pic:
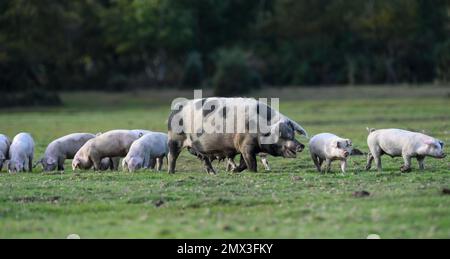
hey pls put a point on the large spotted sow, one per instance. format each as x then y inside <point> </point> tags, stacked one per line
<point>221,128</point>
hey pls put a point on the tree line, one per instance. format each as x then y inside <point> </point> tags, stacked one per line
<point>232,45</point>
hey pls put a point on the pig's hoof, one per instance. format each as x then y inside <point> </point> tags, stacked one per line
<point>405,169</point>
<point>211,172</point>
<point>368,168</point>
<point>236,170</point>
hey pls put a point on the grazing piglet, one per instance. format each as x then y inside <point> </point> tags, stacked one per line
<point>61,149</point>
<point>4,149</point>
<point>21,153</point>
<point>329,147</point>
<point>115,143</point>
<point>146,152</point>
<point>407,144</point>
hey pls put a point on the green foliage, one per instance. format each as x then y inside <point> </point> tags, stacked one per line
<point>443,61</point>
<point>234,75</point>
<point>84,44</point>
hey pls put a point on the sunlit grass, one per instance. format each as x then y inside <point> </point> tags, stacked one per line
<point>291,201</point>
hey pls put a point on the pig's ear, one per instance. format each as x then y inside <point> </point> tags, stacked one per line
<point>429,141</point>
<point>51,161</point>
<point>275,130</point>
<point>441,143</point>
<point>298,128</point>
<point>370,130</point>
<point>337,144</point>
<point>98,134</point>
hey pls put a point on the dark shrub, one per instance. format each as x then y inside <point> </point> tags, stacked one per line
<point>443,61</point>
<point>234,76</point>
<point>193,70</point>
<point>31,98</point>
<point>117,82</point>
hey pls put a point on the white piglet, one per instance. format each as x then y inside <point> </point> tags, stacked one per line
<point>4,149</point>
<point>21,153</point>
<point>329,147</point>
<point>111,144</point>
<point>61,149</point>
<point>147,152</point>
<point>402,143</point>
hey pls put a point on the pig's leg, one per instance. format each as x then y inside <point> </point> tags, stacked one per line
<point>250,160</point>
<point>96,162</point>
<point>369,161</point>
<point>328,165</point>
<point>320,162</point>
<point>376,153</point>
<point>421,160</point>
<point>265,162</point>
<point>115,161</point>
<point>343,165</point>
<point>231,165</point>
<point>208,166</point>
<point>30,164</point>
<point>406,168</point>
<point>159,163</point>
<point>1,166</point>
<point>25,165</point>
<point>174,152</point>
<point>242,166</point>
<point>378,163</point>
<point>125,165</point>
<point>152,163</point>
<point>61,164</point>
<point>146,162</point>
<point>315,159</point>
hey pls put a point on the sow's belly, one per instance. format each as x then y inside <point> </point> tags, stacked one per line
<point>392,151</point>
<point>219,145</point>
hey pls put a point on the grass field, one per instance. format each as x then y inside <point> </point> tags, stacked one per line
<point>291,201</point>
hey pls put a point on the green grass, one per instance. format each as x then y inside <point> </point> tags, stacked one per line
<point>291,201</point>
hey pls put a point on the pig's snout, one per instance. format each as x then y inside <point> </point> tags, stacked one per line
<point>300,147</point>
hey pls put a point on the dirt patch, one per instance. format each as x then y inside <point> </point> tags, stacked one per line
<point>361,194</point>
<point>158,203</point>
<point>296,178</point>
<point>52,199</point>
